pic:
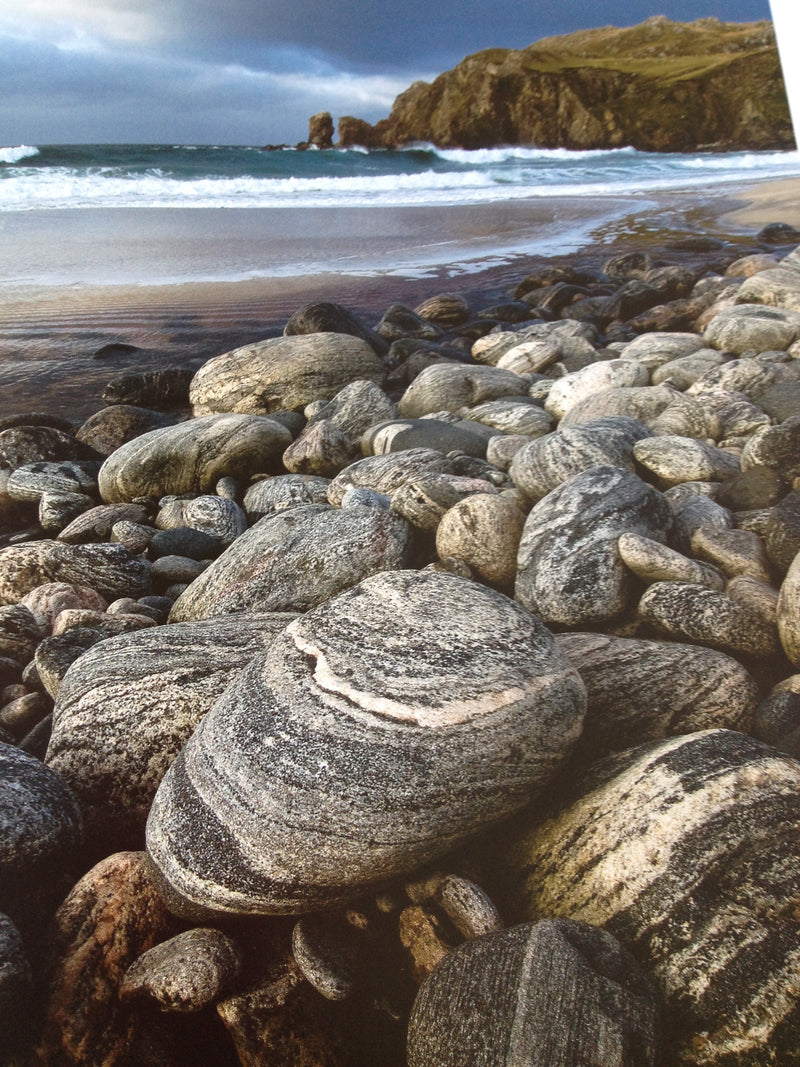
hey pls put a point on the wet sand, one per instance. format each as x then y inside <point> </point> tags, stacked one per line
<point>187,285</point>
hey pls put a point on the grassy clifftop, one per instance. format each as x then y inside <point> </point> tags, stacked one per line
<point>660,86</point>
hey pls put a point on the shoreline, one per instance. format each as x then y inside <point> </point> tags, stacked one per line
<point>50,335</point>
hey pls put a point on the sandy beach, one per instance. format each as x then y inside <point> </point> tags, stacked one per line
<point>183,286</point>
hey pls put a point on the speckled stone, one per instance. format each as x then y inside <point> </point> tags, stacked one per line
<point>283,373</point>
<point>357,407</point>
<point>683,459</point>
<point>775,447</point>
<point>111,427</point>
<point>654,349</point>
<point>192,456</point>
<point>55,655</point>
<point>183,541</point>
<point>186,973</point>
<point>685,370</point>
<point>283,492</point>
<point>217,516</point>
<point>512,417</point>
<point>445,309</point>
<point>40,831</point>
<point>654,562</point>
<point>501,450</point>
<point>789,613</point>
<point>109,569</point>
<point>326,317</point>
<point>30,483</point>
<point>19,633</point>
<point>686,417</point>
<point>752,326</point>
<point>744,375</point>
<point>734,551</point>
<point>412,710</point>
<point>321,449</point>
<point>96,523</point>
<point>644,402</point>
<point>296,559</point>
<point>569,572</point>
<point>696,512</point>
<point>554,992</point>
<point>484,532</point>
<point>608,374</point>
<point>684,850</point>
<point>450,387</point>
<point>47,601</point>
<point>547,462</point>
<point>21,445</point>
<point>124,711</point>
<point>423,502</point>
<point>57,510</point>
<point>119,622</point>
<point>777,717</point>
<point>640,690</point>
<point>692,612</point>
<point>386,473</point>
<point>108,920</point>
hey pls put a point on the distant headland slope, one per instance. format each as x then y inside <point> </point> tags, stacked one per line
<point>660,86</point>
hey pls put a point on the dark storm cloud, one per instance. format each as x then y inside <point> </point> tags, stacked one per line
<point>251,71</point>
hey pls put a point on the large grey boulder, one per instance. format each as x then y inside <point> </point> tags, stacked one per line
<point>380,730</point>
<point>294,560</point>
<point>685,851</point>
<point>547,993</point>
<point>109,569</point>
<point>125,710</point>
<point>192,456</point>
<point>283,373</point>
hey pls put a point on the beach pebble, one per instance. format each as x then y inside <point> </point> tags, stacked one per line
<point>18,717</point>
<point>47,601</point>
<point>448,387</point>
<point>693,513</point>
<point>400,321</point>
<point>19,633</point>
<point>683,459</point>
<point>385,473</point>
<point>192,456</point>
<point>484,532</point>
<point>512,417</point>
<point>781,531</point>
<point>58,510</point>
<point>643,690</point>
<point>501,450</point>
<point>488,708</point>
<point>109,569</point>
<point>358,406</point>
<point>110,918</point>
<point>325,950</point>
<point>176,570</point>
<point>16,992</point>
<point>550,460</point>
<point>652,350</point>
<point>690,612</point>
<point>777,287</point>
<point>610,374</point>
<point>752,326</point>
<point>186,973</point>
<point>777,717</point>
<point>789,613</point>
<point>679,848</point>
<point>569,572</point>
<point>111,427</point>
<point>183,541</point>
<point>775,447</point>
<point>686,417</point>
<point>402,435</point>
<point>733,551</point>
<point>23,445</point>
<point>125,710</point>
<point>165,389</point>
<point>321,449</point>
<point>283,373</point>
<point>96,523</point>
<point>445,309</point>
<point>326,317</point>
<point>40,832</point>
<point>752,489</point>
<point>653,562</point>
<point>638,402</point>
<point>685,370</point>
<point>284,492</point>
<point>55,655</point>
<point>555,992</point>
<point>295,560</point>
<point>424,501</point>
<point>30,483</point>
<point>745,375</point>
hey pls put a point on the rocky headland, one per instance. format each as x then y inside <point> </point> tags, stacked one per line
<point>420,688</point>
<point>660,86</point>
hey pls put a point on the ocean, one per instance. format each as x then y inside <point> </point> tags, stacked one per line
<point>183,251</point>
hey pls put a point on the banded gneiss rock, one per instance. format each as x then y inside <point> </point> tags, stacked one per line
<point>380,730</point>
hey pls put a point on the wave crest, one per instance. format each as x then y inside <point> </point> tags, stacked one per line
<point>15,154</point>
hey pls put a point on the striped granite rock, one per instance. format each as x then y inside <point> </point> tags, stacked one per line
<point>283,492</point>
<point>569,572</point>
<point>653,562</point>
<point>642,690</point>
<point>283,373</point>
<point>607,374</point>
<point>125,710</point>
<point>548,461</point>
<point>380,730</point>
<point>296,559</point>
<point>789,613</point>
<point>449,387</point>
<point>553,992</point>
<point>192,456</point>
<point>385,473</point>
<point>110,570</point>
<point>685,850</point>
<point>683,459</point>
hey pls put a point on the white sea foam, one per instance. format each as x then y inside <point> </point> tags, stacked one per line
<point>15,154</point>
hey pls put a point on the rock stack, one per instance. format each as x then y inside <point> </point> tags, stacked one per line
<point>421,691</point>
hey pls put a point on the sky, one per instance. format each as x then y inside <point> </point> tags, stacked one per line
<point>253,71</point>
